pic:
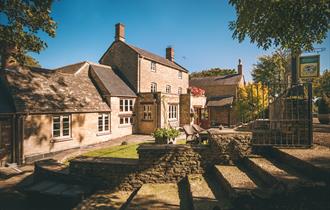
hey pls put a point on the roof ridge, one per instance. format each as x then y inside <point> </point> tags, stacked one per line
<point>98,64</point>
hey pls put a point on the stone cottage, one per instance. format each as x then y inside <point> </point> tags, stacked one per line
<point>45,111</point>
<point>221,93</point>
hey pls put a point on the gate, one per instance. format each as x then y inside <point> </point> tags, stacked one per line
<point>281,115</point>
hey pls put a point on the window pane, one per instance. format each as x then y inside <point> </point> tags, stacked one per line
<point>126,120</point>
<point>121,120</point>
<point>126,105</point>
<point>131,105</point>
<point>106,122</point>
<point>56,126</point>
<point>56,133</point>
<point>121,106</point>
<point>66,132</point>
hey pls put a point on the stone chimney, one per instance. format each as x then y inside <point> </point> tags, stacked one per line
<point>120,32</point>
<point>170,53</point>
<point>240,67</point>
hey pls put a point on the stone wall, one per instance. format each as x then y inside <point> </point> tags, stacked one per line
<point>163,163</point>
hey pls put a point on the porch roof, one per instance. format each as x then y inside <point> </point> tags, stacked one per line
<point>220,101</point>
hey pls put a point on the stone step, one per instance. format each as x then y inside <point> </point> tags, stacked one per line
<point>156,196</point>
<point>271,174</point>
<point>201,194</point>
<point>235,182</point>
<point>312,162</point>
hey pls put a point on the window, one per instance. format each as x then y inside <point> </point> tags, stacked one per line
<point>172,112</point>
<point>61,126</point>
<point>168,88</point>
<point>126,120</point>
<point>103,122</point>
<point>180,74</point>
<point>126,105</point>
<point>153,66</point>
<point>179,90</point>
<point>153,87</point>
<point>147,112</point>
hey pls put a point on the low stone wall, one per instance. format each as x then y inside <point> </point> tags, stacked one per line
<point>162,163</point>
<point>230,146</point>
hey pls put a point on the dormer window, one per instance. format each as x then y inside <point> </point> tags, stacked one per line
<point>168,88</point>
<point>180,74</point>
<point>153,66</point>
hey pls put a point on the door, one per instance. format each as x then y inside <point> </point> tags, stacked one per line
<point>198,115</point>
<point>5,141</point>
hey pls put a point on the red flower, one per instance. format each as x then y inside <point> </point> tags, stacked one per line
<point>195,91</point>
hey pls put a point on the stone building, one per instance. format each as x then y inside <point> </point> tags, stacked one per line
<point>45,111</point>
<point>221,93</point>
<point>157,81</point>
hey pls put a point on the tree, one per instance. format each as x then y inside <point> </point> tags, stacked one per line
<point>252,102</point>
<point>271,68</point>
<point>294,25</point>
<point>212,72</point>
<point>23,19</point>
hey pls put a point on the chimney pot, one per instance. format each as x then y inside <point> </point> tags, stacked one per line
<point>170,53</point>
<point>120,32</point>
<point>240,67</point>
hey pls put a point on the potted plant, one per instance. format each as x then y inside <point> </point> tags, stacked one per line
<point>323,110</point>
<point>165,135</point>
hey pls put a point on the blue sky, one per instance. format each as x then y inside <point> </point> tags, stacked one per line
<point>198,31</point>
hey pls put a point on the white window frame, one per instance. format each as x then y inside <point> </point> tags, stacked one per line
<point>147,113</point>
<point>103,126</point>
<point>127,120</point>
<point>126,105</point>
<point>61,136</point>
<point>180,74</point>
<point>153,66</point>
<point>173,111</point>
<point>180,90</point>
<point>168,89</point>
<point>153,87</point>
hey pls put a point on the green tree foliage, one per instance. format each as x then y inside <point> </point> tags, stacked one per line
<point>322,85</point>
<point>252,101</point>
<point>271,68</point>
<point>21,21</point>
<point>30,61</point>
<point>213,72</point>
<point>294,25</point>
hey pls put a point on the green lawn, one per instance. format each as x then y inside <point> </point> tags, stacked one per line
<point>121,151</point>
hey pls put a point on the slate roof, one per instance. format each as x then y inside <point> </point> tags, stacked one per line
<point>6,103</point>
<point>232,79</point>
<point>114,85</point>
<point>220,101</point>
<point>157,58</point>
<point>67,89</point>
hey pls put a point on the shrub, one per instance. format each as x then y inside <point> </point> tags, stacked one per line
<point>168,133</point>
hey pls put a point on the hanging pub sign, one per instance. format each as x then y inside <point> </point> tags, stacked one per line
<point>309,66</point>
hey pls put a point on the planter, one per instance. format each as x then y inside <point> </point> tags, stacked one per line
<point>165,140</point>
<point>324,118</point>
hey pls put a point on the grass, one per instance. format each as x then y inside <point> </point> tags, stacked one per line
<point>121,151</point>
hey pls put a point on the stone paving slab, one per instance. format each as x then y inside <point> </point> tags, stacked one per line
<point>318,156</point>
<point>105,200</point>
<point>156,196</point>
<point>202,196</point>
<point>236,179</point>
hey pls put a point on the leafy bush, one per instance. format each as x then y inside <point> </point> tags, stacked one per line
<point>168,133</point>
<point>323,106</point>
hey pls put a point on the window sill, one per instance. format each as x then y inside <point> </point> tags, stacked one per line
<point>55,140</point>
<point>125,126</point>
<point>145,120</point>
<point>103,133</point>
<point>173,120</point>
